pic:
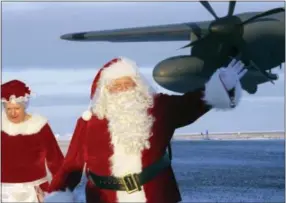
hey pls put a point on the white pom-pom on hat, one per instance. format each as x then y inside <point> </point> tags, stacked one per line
<point>86,115</point>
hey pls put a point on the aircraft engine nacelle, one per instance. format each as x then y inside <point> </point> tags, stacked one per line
<point>180,73</point>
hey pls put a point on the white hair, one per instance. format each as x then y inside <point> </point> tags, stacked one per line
<point>22,100</point>
<point>25,104</point>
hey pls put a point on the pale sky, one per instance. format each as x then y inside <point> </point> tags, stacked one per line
<point>60,72</point>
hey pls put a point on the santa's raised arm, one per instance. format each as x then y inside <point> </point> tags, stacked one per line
<point>123,136</point>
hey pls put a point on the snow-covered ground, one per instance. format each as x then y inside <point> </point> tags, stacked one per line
<point>232,171</point>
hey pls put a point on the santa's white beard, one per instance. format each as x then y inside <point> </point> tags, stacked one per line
<point>129,121</point>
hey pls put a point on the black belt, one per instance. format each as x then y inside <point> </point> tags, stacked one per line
<point>130,182</point>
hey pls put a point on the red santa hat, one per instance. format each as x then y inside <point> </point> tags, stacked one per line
<point>15,91</point>
<point>116,68</point>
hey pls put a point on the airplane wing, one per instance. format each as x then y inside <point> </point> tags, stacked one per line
<point>171,32</point>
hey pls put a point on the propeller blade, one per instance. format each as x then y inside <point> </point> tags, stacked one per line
<point>192,43</point>
<point>209,8</point>
<point>196,30</point>
<point>231,7</point>
<point>266,13</point>
<point>263,72</point>
<point>201,40</point>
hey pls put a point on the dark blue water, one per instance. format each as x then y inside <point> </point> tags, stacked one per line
<point>230,171</point>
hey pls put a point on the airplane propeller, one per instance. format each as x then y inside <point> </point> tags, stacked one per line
<point>229,29</point>
<point>209,8</point>
<point>231,7</point>
<point>266,13</point>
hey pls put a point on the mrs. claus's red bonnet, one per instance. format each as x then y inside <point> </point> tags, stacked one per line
<point>15,91</point>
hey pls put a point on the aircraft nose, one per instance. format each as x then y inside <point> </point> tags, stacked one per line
<point>179,74</point>
<point>163,73</point>
<point>160,72</point>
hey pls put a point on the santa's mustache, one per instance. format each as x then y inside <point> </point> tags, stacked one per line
<point>137,98</point>
<point>128,99</point>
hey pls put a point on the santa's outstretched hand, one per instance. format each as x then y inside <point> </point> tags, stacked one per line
<point>231,74</point>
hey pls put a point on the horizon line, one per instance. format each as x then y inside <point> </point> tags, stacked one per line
<point>198,133</point>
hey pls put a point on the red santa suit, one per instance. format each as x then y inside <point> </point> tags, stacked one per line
<point>25,149</point>
<point>92,143</point>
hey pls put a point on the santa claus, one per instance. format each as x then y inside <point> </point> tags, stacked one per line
<point>27,144</point>
<point>124,136</point>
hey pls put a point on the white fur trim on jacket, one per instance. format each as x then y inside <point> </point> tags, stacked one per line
<point>31,183</point>
<point>216,94</point>
<point>60,196</point>
<point>31,126</point>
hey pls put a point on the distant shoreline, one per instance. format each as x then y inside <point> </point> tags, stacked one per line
<point>64,143</point>
<point>232,136</point>
<point>217,136</point>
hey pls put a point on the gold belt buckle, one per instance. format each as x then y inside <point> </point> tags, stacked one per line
<point>130,183</point>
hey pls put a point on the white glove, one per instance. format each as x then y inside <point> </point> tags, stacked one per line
<point>232,74</point>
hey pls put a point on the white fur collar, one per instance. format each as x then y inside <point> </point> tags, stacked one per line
<point>29,127</point>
